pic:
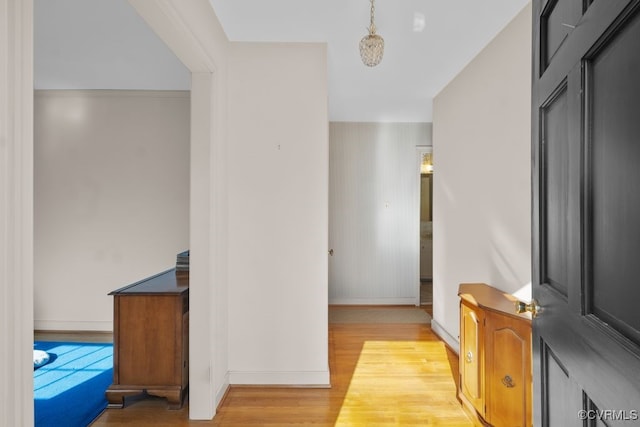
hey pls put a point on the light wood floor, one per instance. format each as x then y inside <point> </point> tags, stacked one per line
<point>381,375</point>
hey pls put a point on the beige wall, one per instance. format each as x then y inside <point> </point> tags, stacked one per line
<point>278,213</point>
<point>482,140</point>
<point>111,198</point>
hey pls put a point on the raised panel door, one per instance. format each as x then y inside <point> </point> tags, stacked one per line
<point>471,357</point>
<point>586,212</point>
<point>508,371</point>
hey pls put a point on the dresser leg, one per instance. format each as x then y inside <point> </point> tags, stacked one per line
<point>174,397</point>
<point>115,397</point>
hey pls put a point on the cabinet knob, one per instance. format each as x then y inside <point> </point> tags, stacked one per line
<point>532,307</point>
<point>469,357</point>
<point>508,381</point>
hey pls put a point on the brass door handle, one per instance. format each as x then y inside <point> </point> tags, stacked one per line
<point>532,307</point>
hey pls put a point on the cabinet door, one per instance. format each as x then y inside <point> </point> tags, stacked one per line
<point>508,371</point>
<point>146,340</point>
<point>471,348</point>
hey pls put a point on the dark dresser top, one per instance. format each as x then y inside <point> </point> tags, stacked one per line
<point>165,283</point>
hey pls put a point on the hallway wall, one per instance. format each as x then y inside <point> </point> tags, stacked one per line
<point>482,190</point>
<point>111,198</point>
<point>374,212</point>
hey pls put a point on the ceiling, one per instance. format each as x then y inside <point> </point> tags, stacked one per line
<point>76,47</point>
<point>100,44</point>
<point>417,63</point>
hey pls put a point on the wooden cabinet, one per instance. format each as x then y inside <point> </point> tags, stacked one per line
<point>495,357</point>
<point>151,339</point>
<point>471,350</point>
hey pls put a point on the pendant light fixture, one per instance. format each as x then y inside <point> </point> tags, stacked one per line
<point>372,45</point>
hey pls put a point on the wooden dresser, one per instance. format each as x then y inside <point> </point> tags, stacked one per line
<point>495,357</point>
<point>151,339</point>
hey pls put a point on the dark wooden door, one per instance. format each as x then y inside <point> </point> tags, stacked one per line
<point>586,212</point>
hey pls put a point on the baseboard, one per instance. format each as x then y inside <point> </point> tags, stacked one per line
<point>57,325</point>
<point>293,379</point>
<point>222,391</point>
<point>445,336</point>
<point>372,301</point>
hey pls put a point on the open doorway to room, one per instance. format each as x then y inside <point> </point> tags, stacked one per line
<point>112,117</point>
<point>426,228</point>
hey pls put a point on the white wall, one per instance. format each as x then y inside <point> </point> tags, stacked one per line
<point>111,198</point>
<point>278,213</point>
<point>482,152</point>
<point>374,212</point>
<point>16,213</point>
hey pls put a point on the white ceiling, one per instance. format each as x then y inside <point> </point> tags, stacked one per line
<point>100,44</point>
<point>416,64</point>
<point>104,44</point>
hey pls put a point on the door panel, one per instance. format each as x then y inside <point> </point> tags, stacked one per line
<point>586,212</point>
<point>555,180</point>
<point>470,356</point>
<point>614,172</point>
<point>508,346</point>
<point>556,26</point>
<point>561,394</point>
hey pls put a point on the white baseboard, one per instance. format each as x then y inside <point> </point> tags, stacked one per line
<point>372,301</point>
<point>222,390</point>
<point>446,336</point>
<point>57,325</point>
<point>297,379</point>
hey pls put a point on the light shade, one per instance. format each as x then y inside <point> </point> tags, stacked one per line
<point>371,49</point>
<point>426,166</point>
<point>372,45</point>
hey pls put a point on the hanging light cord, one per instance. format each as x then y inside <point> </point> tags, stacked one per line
<point>372,27</point>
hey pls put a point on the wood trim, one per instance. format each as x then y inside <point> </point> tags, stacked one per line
<point>375,301</point>
<point>105,326</point>
<point>301,379</point>
<point>16,212</point>
<point>73,335</point>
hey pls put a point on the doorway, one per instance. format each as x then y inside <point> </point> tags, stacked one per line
<point>425,157</point>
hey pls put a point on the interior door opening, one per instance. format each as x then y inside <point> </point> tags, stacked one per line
<point>426,229</point>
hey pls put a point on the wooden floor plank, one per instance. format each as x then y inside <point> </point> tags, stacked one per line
<point>381,375</point>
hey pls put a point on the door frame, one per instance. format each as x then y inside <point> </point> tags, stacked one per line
<point>420,151</point>
<point>192,32</point>
<point>16,212</point>
<point>183,27</point>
